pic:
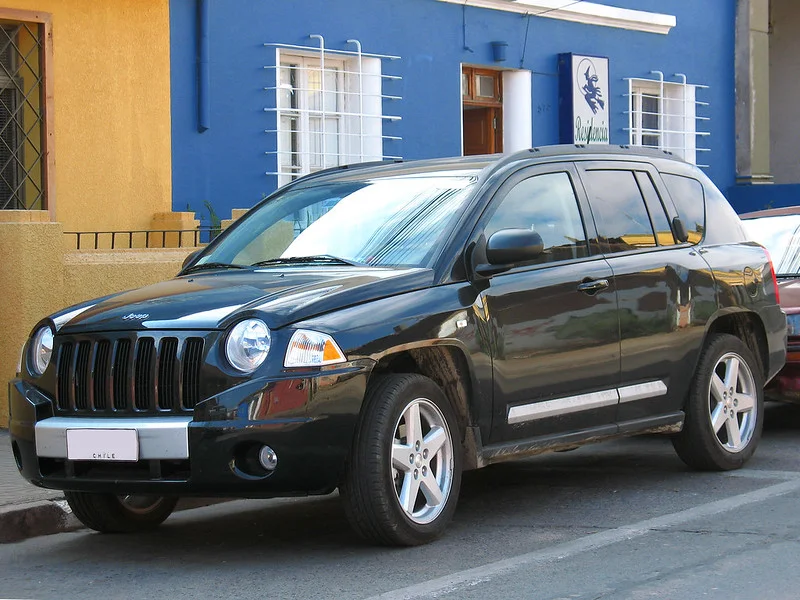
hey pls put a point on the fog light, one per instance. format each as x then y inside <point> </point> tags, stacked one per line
<point>268,458</point>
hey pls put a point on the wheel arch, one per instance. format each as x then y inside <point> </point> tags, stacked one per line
<point>748,327</point>
<point>449,367</point>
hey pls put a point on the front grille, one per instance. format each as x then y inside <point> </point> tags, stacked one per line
<point>128,374</point>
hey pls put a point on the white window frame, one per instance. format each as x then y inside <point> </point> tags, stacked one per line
<point>297,102</point>
<point>676,115</point>
<point>351,109</point>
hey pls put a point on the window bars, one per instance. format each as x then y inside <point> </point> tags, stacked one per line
<point>22,130</point>
<point>663,115</point>
<point>328,107</point>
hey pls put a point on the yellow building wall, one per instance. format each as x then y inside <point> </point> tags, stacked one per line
<point>111,99</point>
<point>96,273</point>
<point>38,277</point>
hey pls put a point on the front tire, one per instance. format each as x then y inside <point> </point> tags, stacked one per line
<point>108,513</point>
<point>725,407</point>
<point>402,481</point>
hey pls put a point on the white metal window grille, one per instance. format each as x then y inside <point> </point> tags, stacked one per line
<point>21,117</point>
<point>664,115</point>
<point>328,108</point>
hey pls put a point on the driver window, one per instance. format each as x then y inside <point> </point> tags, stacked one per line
<point>545,204</point>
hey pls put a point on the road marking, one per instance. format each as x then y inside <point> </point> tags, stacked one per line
<point>477,575</point>
<point>762,474</point>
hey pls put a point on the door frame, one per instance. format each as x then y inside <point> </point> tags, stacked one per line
<point>469,97</point>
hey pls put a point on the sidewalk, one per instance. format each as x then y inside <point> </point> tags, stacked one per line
<point>26,510</point>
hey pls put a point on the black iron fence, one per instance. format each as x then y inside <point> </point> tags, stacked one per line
<point>143,238</point>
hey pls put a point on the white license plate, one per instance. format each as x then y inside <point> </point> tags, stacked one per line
<point>103,444</point>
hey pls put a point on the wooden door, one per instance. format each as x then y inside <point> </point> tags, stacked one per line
<point>479,130</point>
<point>483,111</point>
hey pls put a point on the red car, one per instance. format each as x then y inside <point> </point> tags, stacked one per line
<point>778,230</point>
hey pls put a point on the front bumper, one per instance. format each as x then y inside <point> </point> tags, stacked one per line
<point>307,420</point>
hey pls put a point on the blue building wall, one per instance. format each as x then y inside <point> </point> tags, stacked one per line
<point>226,164</point>
<point>749,198</point>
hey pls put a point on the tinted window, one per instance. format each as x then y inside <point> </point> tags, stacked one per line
<point>727,228</point>
<point>619,210</point>
<point>547,205</point>
<point>658,215</point>
<point>687,195</point>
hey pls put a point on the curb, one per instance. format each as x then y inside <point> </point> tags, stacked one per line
<point>22,521</point>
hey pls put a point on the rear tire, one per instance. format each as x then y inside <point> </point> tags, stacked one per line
<point>725,407</point>
<point>402,481</point>
<point>108,513</point>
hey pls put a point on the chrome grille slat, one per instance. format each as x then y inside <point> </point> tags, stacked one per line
<point>191,363</point>
<point>82,375</point>
<point>124,374</point>
<point>73,370</point>
<point>166,387</point>
<point>102,374</point>
<point>63,375</point>
<point>145,382</point>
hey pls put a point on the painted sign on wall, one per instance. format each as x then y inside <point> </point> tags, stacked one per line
<point>583,99</point>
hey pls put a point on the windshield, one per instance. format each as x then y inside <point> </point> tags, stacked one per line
<point>388,221</point>
<point>781,237</point>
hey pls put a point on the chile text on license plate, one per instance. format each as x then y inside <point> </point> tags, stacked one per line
<point>103,444</point>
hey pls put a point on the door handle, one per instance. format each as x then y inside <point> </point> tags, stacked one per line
<point>592,286</point>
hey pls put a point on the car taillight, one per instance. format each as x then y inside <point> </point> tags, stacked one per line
<point>774,277</point>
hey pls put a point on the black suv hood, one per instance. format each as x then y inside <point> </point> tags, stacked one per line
<point>212,300</point>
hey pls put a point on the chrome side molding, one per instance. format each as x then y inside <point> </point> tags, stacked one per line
<point>581,402</point>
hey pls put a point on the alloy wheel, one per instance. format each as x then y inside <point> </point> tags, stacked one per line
<point>732,403</point>
<point>140,504</point>
<point>422,461</point>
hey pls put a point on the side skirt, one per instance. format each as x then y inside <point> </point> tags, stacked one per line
<point>667,424</point>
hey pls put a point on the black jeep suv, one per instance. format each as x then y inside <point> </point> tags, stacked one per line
<point>382,328</point>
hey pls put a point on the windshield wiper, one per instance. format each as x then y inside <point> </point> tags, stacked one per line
<point>787,275</point>
<point>299,260</point>
<point>212,265</point>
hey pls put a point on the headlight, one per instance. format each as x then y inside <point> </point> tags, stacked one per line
<point>41,350</point>
<point>312,349</point>
<point>248,345</point>
<point>793,324</point>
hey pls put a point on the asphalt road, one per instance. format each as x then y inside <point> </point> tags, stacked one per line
<point>620,520</point>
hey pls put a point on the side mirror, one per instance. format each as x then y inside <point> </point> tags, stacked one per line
<point>189,259</point>
<point>679,229</point>
<point>509,246</point>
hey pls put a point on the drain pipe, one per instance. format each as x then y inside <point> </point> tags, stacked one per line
<point>203,76</point>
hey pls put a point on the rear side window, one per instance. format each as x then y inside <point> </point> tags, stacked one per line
<point>619,210</point>
<point>687,195</point>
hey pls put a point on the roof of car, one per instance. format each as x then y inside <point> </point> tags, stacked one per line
<point>480,162</point>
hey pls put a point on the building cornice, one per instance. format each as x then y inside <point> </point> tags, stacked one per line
<point>589,13</point>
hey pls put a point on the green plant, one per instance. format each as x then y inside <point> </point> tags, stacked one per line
<point>213,218</point>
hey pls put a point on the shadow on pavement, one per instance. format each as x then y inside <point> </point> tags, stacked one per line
<point>545,491</point>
